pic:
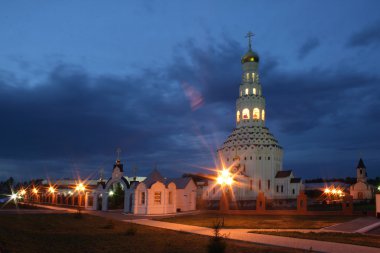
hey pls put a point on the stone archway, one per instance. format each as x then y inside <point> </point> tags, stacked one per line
<point>108,192</point>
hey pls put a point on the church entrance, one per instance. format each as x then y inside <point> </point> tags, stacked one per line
<point>360,195</point>
<point>116,193</point>
<point>99,202</point>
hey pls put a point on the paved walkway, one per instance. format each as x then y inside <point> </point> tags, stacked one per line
<point>359,225</point>
<point>243,235</point>
<point>237,234</point>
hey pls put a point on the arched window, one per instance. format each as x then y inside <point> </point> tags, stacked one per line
<point>256,113</point>
<point>263,114</point>
<point>254,91</point>
<point>253,76</point>
<point>241,93</point>
<point>247,76</point>
<point>238,116</point>
<point>246,91</point>
<point>245,113</point>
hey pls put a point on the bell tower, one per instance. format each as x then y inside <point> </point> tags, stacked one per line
<point>250,106</point>
<point>361,172</point>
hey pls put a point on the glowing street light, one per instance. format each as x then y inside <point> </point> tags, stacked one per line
<point>111,193</point>
<point>35,191</point>
<point>80,187</point>
<point>224,178</point>
<point>22,192</point>
<point>51,189</point>
<point>327,191</point>
<point>13,196</point>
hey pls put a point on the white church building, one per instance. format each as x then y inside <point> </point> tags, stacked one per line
<point>147,195</point>
<point>251,152</point>
<point>361,190</point>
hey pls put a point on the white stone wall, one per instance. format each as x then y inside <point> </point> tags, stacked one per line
<point>186,198</point>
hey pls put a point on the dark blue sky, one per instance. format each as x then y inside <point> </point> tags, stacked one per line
<point>80,78</point>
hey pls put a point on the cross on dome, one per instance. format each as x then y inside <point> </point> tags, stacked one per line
<point>249,36</point>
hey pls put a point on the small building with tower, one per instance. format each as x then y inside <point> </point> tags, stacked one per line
<point>361,190</point>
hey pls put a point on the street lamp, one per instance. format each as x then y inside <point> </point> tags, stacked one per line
<point>51,189</point>
<point>224,179</point>
<point>80,188</point>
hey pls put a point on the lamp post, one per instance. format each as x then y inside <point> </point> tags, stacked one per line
<point>52,191</point>
<point>80,188</point>
<point>224,179</point>
<point>35,193</point>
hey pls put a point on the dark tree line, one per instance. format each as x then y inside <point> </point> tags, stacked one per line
<point>9,184</point>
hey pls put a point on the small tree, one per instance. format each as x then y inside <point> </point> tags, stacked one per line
<point>217,242</point>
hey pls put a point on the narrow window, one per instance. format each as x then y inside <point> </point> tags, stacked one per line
<point>246,113</point>
<point>282,188</point>
<point>247,76</point>
<point>277,188</point>
<point>268,157</point>
<point>228,159</point>
<point>250,184</point>
<point>246,91</point>
<point>260,184</point>
<point>170,198</point>
<point>245,158</point>
<point>259,157</point>
<point>256,113</point>
<point>294,191</point>
<point>268,184</point>
<point>254,91</point>
<point>157,198</point>
<point>361,172</point>
<point>251,157</point>
<point>238,116</point>
<point>142,198</point>
<point>263,115</point>
<point>253,76</point>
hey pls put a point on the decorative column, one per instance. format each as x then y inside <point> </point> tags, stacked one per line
<point>126,201</point>
<point>105,201</point>
<point>302,203</point>
<point>260,202</point>
<point>94,201</point>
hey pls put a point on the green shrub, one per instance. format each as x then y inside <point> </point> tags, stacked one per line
<point>217,243</point>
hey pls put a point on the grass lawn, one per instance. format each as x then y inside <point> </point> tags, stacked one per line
<point>12,205</point>
<point>68,233</point>
<point>359,239</point>
<point>260,221</point>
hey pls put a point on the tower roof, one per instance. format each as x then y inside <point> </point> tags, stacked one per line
<point>153,177</point>
<point>361,164</point>
<point>250,56</point>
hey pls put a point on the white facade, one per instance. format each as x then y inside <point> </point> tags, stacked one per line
<point>251,152</point>
<point>153,195</point>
